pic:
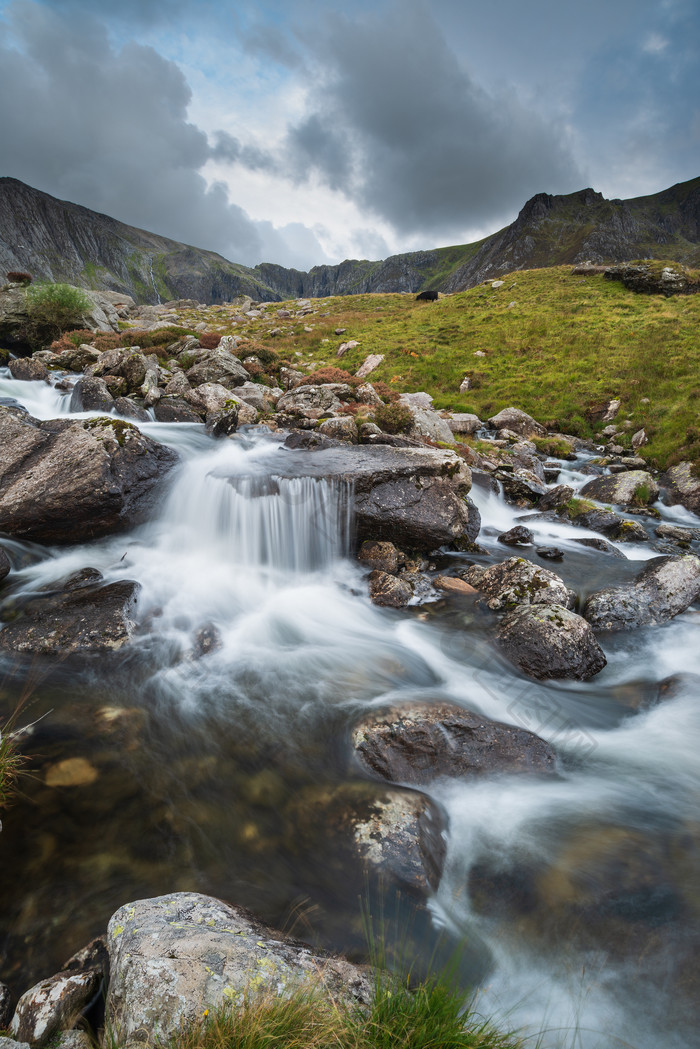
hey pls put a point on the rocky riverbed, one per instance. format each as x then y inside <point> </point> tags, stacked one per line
<point>275,654</point>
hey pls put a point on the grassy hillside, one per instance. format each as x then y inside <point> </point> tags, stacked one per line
<point>553,344</point>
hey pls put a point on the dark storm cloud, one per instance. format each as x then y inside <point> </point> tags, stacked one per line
<point>397,123</point>
<point>109,129</point>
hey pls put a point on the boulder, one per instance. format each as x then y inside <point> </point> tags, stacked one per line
<point>682,486</point>
<point>430,425</point>
<point>81,621</point>
<point>91,394</point>
<point>519,535</point>
<point>66,481</point>
<point>177,386</point>
<point>173,957</point>
<point>28,369</point>
<point>518,421</point>
<point>519,582</point>
<point>382,556</point>
<point>389,590</point>
<point>309,401</point>
<point>664,589</point>
<point>126,407</point>
<point>6,1009</point>
<point>344,428</point>
<point>403,835</point>
<point>175,410</point>
<point>419,744</point>
<point>522,487</point>
<point>53,1005</point>
<point>218,366</point>
<point>464,422</point>
<point>366,394</point>
<point>555,497</point>
<point>79,358</point>
<point>632,488</point>
<point>649,280</point>
<point>549,641</point>
<point>5,566</point>
<point>369,365</point>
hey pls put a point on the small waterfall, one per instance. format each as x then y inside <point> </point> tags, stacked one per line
<point>153,282</point>
<point>291,524</point>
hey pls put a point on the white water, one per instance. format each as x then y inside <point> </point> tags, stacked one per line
<point>262,560</point>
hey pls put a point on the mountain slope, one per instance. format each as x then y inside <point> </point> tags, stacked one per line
<point>60,241</point>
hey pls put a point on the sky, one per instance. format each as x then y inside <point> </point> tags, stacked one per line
<point>303,132</point>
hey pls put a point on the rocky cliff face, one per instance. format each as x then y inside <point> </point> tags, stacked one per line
<point>61,241</point>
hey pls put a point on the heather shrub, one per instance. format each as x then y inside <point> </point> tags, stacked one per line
<point>209,340</point>
<point>329,374</point>
<point>394,418</point>
<point>19,277</point>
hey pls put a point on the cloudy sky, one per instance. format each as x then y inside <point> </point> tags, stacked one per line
<point>308,131</point>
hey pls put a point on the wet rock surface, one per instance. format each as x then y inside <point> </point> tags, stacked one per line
<point>53,1005</point>
<point>175,956</point>
<point>666,587</point>
<point>419,744</point>
<point>519,582</point>
<point>550,641</point>
<point>85,620</point>
<point>64,480</point>
<point>403,835</point>
<point>682,486</point>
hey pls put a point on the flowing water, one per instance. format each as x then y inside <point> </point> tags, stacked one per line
<point>220,756</point>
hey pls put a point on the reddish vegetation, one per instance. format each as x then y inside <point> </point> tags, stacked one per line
<point>19,277</point>
<point>329,374</point>
<point>209,340</point>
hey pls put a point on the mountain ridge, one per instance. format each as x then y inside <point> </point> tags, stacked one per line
<point>62,241</point>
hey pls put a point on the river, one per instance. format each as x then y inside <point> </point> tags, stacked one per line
<point>220,740</point>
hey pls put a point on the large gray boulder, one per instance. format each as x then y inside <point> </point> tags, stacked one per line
<point>518,581</point>
<point>419,744</point>
<point>28,369</point>
<point>517,420</point>
<point>173,957</point>
<point>84,620</point>
<point>65,481</point>
<point>310,401</point>
<point>632,488</point>
<point>91,394</point>
<point>218,366</point>
<point>549,641</point>
<point>664,589</point>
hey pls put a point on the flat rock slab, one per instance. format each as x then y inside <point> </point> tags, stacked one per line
<point>414,497</point>
<point>84,621</point>
<point>66,481</point>
<point>664,589</point>
<point>417,745</point>
<point>174,956</point>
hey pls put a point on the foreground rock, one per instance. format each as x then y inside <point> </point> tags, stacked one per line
<point>519,582</point>
<point>65,481</point>
<point>173,957</point>
<point>682,486</point>
<point>85,620</point>
<point>53,1005</point>
<point>633,488</point>
<point>417,745</point>
<point>403,836</point>
<point>666,587</point>
<point>549,641</point>
<point>518,421</point>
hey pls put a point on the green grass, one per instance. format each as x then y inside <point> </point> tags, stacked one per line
<point>431,1016</point>
<point>566,346</point>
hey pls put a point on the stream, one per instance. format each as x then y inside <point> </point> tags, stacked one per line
<point>220,740</point>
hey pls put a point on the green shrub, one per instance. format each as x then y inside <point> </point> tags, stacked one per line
<point>394,418</point>
<point>53,309</point>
